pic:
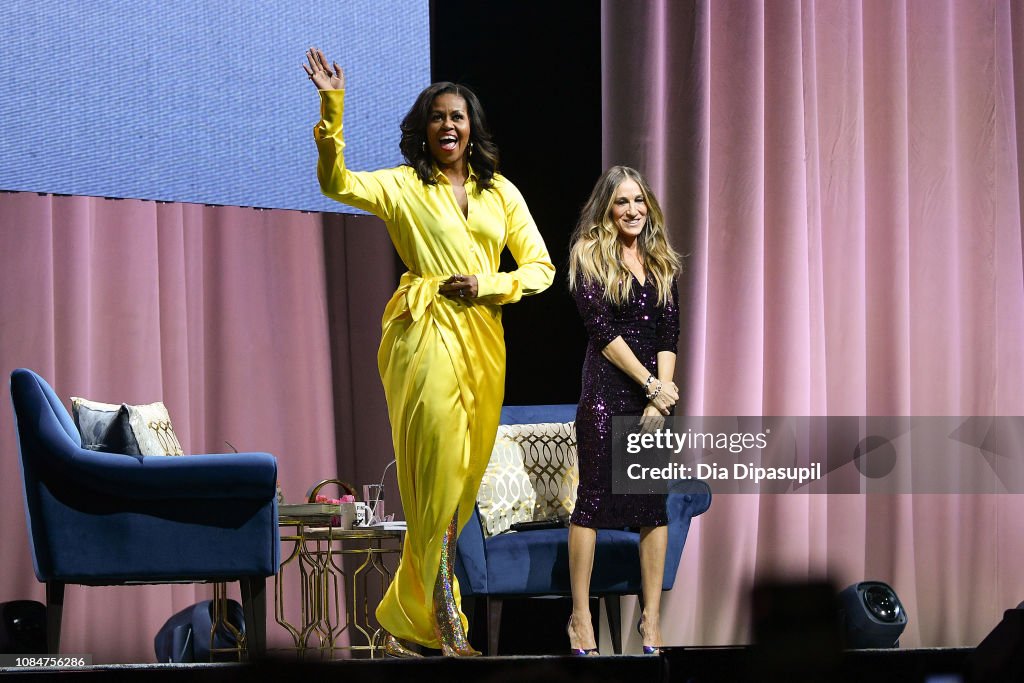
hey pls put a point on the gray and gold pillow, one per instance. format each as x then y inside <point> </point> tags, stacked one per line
<point>530,477</point>
<point>123,428</point>
<point>102,428</point>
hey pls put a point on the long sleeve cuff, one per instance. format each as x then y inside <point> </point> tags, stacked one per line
<point>332,109</point>
<point>508,288</point>
<point>501,288</point>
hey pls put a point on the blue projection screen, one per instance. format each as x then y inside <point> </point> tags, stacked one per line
<point>197,101</point>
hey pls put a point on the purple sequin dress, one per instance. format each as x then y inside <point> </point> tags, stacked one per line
<point>647,328</point>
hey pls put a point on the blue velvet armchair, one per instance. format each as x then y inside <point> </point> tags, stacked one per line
<point>536,563</point>
<point>112,519</point>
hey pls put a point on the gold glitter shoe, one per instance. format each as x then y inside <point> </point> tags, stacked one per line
<point>447,620</point>
<point>393,647</point>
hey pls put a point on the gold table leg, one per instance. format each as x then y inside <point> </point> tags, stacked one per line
<point>319,555</point>
<point>220,622</point>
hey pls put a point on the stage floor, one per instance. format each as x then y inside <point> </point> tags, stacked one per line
<point>685,665</point>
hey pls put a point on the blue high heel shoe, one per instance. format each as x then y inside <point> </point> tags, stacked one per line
<point>648,649</point>
<point>579,651</point>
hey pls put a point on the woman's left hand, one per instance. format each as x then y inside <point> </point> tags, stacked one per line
<point>460,287</point>
<point>652,419</point>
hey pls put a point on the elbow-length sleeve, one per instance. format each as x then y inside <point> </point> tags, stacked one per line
<point>371,191</point>
<point>596,312</point>
<point>667,332</point>
<point>535,271</point>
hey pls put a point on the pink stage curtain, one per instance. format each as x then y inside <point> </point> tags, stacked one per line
<point>845,178</point>
<point>222,313</point>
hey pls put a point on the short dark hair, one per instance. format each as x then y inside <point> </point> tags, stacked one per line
<point>483,152</point>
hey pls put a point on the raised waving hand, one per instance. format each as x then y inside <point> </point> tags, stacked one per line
<point>320,71</point>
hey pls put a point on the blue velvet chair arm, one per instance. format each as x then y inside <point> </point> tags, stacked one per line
<point>685,501</point>
<point>559,412</point>
<point>242,476</point>
<point>471,557</point>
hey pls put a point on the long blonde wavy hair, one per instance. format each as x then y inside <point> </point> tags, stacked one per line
<point>596,253</point>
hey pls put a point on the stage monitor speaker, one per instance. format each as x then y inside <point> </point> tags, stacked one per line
<point>872,615</point>
<point>23,628</point>
<point>1000,656</point>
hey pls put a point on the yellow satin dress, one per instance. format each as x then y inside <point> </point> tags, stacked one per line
<point>442,361</point>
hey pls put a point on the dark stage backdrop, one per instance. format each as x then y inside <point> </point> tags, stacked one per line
<point>536,67</point>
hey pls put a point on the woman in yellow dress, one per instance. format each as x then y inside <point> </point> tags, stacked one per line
<point>442,352</point>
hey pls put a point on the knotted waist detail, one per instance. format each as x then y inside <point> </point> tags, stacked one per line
<point>414,295</point>
<point>473,341</point>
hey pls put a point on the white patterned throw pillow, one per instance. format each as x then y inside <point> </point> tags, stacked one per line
<point>530,477</point>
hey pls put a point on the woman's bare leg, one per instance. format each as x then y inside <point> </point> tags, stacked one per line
<point>653,542</point>
<point>582,542</point>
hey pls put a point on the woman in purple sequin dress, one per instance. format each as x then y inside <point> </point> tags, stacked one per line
<point>622,272</point>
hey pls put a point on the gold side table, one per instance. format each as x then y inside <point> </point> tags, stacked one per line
<point>317,556</point>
